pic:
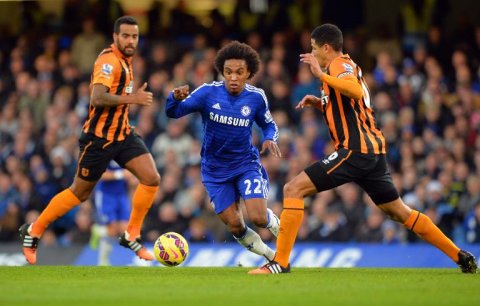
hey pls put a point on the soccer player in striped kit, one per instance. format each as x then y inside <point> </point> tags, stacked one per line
<point>359,156</point>
<point>107,135</point>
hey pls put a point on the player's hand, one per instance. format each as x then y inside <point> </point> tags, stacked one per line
<point>143,97</point>
<point>180,93</point>
<point>309,100</point>
<point>311,60</point>
<point>272,148</point>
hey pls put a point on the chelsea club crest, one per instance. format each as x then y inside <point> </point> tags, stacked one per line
<point>245,111</point>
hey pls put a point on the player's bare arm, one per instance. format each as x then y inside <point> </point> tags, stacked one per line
<point>180,93</point>
<point>101,97</point>
<point>272,148</point>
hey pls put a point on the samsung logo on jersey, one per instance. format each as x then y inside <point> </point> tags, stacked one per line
<point>229,120</point>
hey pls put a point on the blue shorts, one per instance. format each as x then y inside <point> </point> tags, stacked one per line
<point>111,207</point>
<point>249,184</point>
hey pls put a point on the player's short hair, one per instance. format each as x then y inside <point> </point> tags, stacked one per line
<point>123,20</point>
<point>328,34</point>
<point>238,50</point>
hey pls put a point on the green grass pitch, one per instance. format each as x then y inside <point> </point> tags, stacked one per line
<point>150,286</point>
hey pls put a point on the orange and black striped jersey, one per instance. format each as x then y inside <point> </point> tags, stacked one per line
<point>351,122</point>
<point>113,70</point>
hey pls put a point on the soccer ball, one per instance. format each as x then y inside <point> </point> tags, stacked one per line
<point>170,249</point>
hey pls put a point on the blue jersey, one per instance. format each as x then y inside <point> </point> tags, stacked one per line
<point>227,148</point>
<point>111,198</point>
<point>116,187</point>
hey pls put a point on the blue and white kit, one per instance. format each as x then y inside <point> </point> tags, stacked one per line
<point>111,198</point>
<point>230,163</point>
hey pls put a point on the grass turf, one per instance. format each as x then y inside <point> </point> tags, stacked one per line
<point>65,285</point>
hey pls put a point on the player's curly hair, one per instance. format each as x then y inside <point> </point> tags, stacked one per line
<point>328,34</point>
<point>123,20</point>
<point>238,50</point>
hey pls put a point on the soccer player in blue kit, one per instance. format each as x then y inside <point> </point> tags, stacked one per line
<point>230,164</point>
<point>112,209</point>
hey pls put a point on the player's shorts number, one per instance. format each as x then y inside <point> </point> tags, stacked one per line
<point>257,184</point>
<point>330,158</point>
<point>333,156</point>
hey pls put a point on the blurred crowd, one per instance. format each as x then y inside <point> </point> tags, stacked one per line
<point>425,89</point>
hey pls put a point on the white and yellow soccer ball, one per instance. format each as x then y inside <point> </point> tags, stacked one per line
<point>170,249</point>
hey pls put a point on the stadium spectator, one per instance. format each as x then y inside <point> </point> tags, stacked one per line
<point>86,46</point>
<point>472,225</point>
<point>333,226</point>
<point>371,230</point>
<point>9,208</point>
<point>198,232</point>
<point>173,139</point>
<point>164,218</point>
<point>352,207</point>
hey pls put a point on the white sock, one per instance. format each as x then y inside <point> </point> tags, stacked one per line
<point>273,224</point>
<point>105,246</point>
<point>101,230</point>
<point>104,250</point>
<point>252,242</point>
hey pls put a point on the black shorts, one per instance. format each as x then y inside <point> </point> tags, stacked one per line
<point>96,153</point>
<point>369,171</point>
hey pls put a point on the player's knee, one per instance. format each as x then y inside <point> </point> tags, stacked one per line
<point>152,180</point>
<point>156,179</point>
<point>82,195</point>
<point>290,190</point>
<point>259,220</point>
<point>236,228</point>
<point>82,189</point>
<point>396,210</point>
